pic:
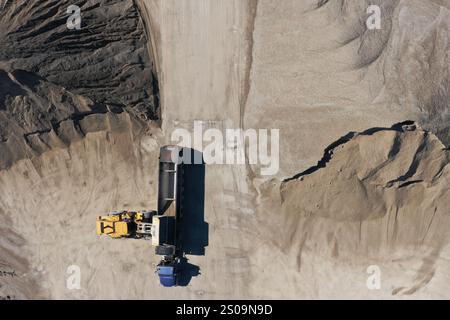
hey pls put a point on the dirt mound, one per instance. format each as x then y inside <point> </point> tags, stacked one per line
<point>106,60</point>
<point>375,195</point>
<point>38,116</point>
<point>58,84</point>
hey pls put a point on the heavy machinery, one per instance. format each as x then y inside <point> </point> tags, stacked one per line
<point>126,224</point>
<point>162,226</point>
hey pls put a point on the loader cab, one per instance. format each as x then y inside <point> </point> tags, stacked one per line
<point>116,225</point>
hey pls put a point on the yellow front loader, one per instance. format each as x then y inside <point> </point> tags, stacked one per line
<point>126,224</point>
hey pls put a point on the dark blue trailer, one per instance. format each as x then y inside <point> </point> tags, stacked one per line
<point>166,234</point>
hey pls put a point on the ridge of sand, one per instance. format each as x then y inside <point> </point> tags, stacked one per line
<point>380,197</point>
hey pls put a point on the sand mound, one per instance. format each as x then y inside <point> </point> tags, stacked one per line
<point>59,84</point>
<point>39,116</point>
<point>106,60</point>
<point>374,197</point>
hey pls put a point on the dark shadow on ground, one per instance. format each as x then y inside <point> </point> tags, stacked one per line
<point>187,272</point>
<point>194,229</point>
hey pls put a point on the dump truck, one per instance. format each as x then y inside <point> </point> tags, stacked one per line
<point>162,227</point>
<point>166,236</point>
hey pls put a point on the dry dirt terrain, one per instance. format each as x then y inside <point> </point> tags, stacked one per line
<point>364,161</point>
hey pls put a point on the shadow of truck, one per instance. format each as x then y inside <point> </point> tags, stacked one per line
<point>195,231</point>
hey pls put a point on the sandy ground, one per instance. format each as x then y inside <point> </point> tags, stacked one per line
<point>231,64</point>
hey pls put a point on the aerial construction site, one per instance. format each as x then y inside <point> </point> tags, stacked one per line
<point>224,149</point>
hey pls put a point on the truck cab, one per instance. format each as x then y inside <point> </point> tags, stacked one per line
<point>167,272</point>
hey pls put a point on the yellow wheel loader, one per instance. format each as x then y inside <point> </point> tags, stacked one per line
<point>126,224</point>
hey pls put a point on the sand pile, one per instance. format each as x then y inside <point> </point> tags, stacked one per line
<point>56,81</point>
<point>106,60</point>
<point>375,197</point>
